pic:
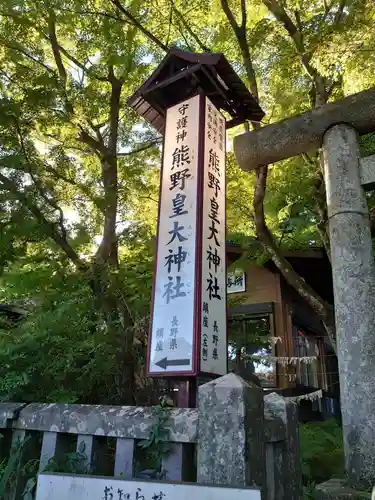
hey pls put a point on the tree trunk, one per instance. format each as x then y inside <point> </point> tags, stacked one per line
<point>323,309</point>
<point>119,328</point>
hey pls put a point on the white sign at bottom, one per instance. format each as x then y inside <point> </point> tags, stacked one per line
<point>64,487</point>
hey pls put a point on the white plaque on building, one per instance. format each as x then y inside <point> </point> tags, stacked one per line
<point>188,331</point>
<point>236,281</point>
<point>79,487</point>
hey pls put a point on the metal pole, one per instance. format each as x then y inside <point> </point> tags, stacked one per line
<point>354,292</point>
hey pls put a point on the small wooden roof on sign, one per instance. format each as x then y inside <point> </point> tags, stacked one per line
<point>181,75</point>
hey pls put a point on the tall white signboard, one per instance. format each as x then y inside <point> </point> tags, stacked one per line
<point>172,335</point>
<point>188,331</point>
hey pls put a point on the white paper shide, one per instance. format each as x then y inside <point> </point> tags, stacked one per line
<point>173,307</point>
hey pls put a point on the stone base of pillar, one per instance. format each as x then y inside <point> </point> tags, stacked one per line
<point>337,489</point>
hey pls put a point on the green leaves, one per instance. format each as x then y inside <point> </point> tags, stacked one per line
<point>156,446</point>
<point>58,122</point>
<point>322,451</point>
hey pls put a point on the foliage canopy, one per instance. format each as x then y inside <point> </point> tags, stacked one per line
<point>79,172</point>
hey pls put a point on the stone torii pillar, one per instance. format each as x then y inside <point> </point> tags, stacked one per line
<point>335,127</point>
<point>354,291</point>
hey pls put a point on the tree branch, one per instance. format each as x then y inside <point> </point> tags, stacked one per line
<point>32,58</point>
<point>312,298</point>
<point>320,94</point>
<point>189,47</point>
<point>244,14</point>
<point>323,309</point>
<point>55,48</point>
<point>186,25</point>
<point>98,126</point>
<point>56,138</point>
<point>71,58</point>
<point>229,14</point>
<point>58,60</point>
<point>114,111</point>
<point>141,149</point>
<point>108,247</point>
<point>82,187</point>
<point>340,11</point>
<point>262,231</point>
<point>170,22</point>
<point>136,23</point>
<point>295,34</point>
<point>240,33</point>
<point>95,13</point>
<point>96,145</point>
<point>41,191</point>
<point>49,227</point>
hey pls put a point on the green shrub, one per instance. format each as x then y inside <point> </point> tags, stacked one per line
<point>13,466</point>
<point>322,452</point>
<point>308,491</point>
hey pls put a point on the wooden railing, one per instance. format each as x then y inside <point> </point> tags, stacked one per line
<point>234,437</point>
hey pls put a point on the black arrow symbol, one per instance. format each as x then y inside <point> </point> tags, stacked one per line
<point>163,363</point>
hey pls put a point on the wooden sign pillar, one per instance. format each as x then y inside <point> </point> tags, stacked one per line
<point>189,327</point>
<point>188,334</point>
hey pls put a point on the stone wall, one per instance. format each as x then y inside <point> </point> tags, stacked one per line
<point>241,438</point>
